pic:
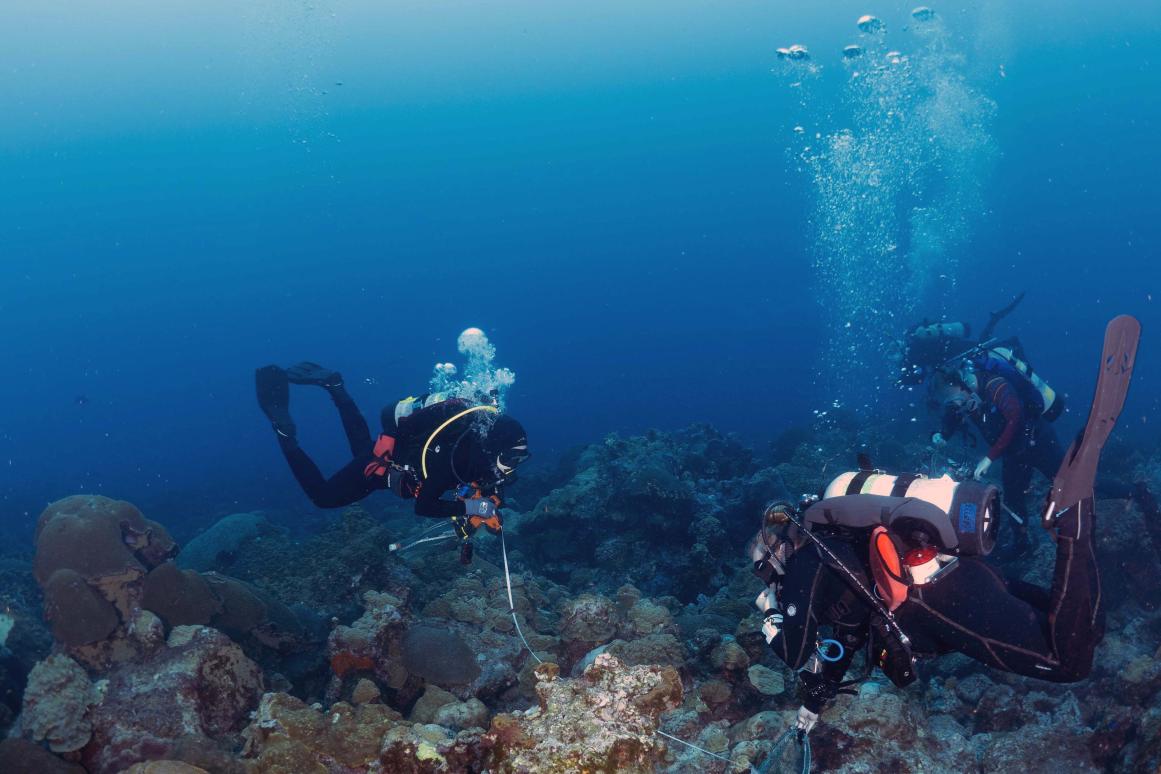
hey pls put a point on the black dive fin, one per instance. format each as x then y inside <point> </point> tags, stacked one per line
<point>1074,480</point>
<point>307,372</point>
<point>273,391</point>
<point>864,461</point>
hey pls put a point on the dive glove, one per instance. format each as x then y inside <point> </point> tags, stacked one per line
<point>807,720</point>
<point>815,691</point>
<point>982,468</point>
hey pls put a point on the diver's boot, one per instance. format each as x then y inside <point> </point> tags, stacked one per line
<point>273,389</point>
<point>312,373</point>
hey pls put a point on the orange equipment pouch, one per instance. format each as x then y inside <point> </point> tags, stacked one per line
<point>384,450</point>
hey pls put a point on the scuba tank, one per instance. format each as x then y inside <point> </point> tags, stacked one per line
<point>958,517</point>
<point>1047,400</point>
<point>925,346</point>
<point>948,330</point>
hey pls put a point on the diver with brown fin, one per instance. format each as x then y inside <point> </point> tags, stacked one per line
<point>896,564</point>
<point>990,385</point>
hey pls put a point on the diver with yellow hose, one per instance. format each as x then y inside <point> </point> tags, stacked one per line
<point>430,446</point>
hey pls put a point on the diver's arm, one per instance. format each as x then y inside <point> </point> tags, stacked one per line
<point>822,678</point>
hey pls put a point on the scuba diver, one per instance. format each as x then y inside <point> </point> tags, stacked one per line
<point>895,563</point>
<point>430,445</point>
<point>1010,422</point>
<point>990,385</point>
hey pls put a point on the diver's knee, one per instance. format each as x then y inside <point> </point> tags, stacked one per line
<point>325,500</point>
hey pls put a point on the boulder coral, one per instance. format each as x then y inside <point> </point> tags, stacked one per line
<point>100,562</point>
<point>92,553</point>
<point>186,597</point>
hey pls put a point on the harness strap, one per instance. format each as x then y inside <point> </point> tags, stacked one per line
<point>902,483</point>
<point>860,478</point>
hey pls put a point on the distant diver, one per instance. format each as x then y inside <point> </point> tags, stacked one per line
<point>430,445</point>
<point>990,384</point>
<point>895,564</point>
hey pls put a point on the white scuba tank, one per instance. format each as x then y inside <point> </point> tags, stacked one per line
<point>968,507</point>
<point>1053,403</point>
<point>940,492</point>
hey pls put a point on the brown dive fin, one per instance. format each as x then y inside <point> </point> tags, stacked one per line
<point>1074,480</point>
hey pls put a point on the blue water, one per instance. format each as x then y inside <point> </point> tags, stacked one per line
<point>614,191</point>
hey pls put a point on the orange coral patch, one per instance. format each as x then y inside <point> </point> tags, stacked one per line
<point>342,663</point>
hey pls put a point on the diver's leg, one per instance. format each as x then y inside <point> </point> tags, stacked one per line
<point>1017,476</point>
<point>965,608</point>
<point>971,611</point>
<point>1075,614</point>
<point>354,424</point>
<point>348,485</point>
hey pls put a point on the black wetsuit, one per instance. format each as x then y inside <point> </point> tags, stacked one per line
<point>1013,626</point>
<point>454,458</point>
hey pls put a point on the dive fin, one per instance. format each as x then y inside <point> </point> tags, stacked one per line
<point>273,390</point>
<point>1000,314</point>
<point>307,372</point>
<point>1074,480</point>
<point>864,461</point>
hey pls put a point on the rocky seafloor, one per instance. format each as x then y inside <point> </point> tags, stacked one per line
<point>254,649</point>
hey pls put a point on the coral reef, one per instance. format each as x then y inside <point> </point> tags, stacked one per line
<point>289,737</point>
<point>629,585</point>
<point>654,491</point>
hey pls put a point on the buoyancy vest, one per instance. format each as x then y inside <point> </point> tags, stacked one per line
<point>1035,393</point>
